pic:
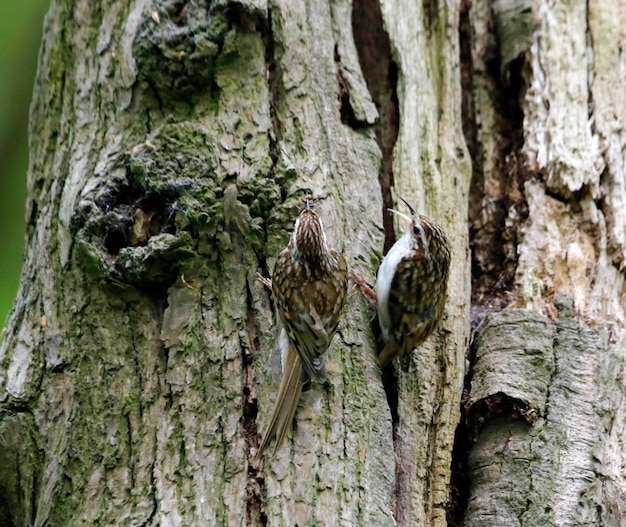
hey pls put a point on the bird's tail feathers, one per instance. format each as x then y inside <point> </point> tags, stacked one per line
<point>286,401</point>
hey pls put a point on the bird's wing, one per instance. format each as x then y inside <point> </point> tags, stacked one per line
<point>311,341</point>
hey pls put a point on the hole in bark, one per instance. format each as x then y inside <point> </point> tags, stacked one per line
<point>460,484</point>
<point>390,384</point>
<point>467,84</point>
<point>459,480</point>
<point>180,13</point>
<point>34,213</point>
<point>6,518</point>
<point>133,215</point>
<point>431,10</point>
<point>114,241</point>
<point>274,92</point>
<point>346,110</point>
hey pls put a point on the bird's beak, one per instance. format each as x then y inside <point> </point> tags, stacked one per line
<point>406,218</point>
<point>407,204</point>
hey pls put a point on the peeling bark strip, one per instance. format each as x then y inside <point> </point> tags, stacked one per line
<point>431,170</point>
<point>380,73</point>
<point>514,358</point>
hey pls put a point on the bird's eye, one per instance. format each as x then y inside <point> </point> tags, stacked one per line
<point>416,229</point>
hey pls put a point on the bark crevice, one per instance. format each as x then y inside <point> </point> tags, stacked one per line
<point>273,75</point>
<point>497,200</point>
<point>381,75</point>
<point>255,485</point>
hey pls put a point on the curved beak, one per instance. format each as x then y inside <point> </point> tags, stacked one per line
<point>407,204</point>
<point>406,218</point>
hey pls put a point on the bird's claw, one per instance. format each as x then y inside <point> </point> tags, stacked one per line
<point>267,282</point>
<point>366,289</point>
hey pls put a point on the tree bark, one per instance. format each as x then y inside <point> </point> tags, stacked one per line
<point>171,143</point>
<point>170,146</point>
<point>544,121</point>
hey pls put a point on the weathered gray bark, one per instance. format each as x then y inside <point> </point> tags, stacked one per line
<point>170,145</point>
<point>546,406</point>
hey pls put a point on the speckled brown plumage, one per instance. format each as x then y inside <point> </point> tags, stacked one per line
<point>411,287</point>
<point>309,283</point>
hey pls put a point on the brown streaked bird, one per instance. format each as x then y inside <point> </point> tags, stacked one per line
<point>411,286</point>
<point>309,284</point>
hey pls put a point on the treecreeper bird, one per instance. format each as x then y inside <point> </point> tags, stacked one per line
<point>411,286</point>
<point>309,284</point>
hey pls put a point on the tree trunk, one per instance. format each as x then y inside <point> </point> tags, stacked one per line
<point>545,113</point>
<point>171,143</point>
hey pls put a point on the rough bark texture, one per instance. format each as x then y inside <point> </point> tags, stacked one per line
<point>171,143</point>
<point>544,117</point>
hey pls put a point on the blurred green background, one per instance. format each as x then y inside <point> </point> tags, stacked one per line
<point>20,36</point>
